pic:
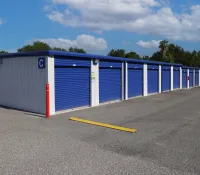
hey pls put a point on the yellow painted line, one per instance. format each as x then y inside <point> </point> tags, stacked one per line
<point>103,125</point>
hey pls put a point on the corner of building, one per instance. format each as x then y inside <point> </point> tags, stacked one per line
<point>94,83</point>
<point>50,79</point>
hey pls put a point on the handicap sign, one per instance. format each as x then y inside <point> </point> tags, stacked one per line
<point>41,63</point>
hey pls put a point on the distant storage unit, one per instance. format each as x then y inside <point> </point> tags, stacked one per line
<point>176,77</point>
<point>191,75</point>
<point>110,81</point>
<point>50,82</point>
<point>184,78</point>
<point>166,78</point>
<point>153,79</point>
<point>135,80</point>
<point>197,77</point>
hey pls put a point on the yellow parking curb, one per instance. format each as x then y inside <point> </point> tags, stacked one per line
<point>103,125</point>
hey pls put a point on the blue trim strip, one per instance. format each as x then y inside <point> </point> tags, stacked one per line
<point>189,67</point>
<point>81,56</point>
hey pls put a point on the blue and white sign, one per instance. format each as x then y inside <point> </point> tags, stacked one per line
<point>41,63</point>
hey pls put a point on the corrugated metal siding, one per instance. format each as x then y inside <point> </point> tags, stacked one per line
<point>166,67</point>
<point>109,84</point>
<point>184,78</point>
<point>72,62</point>
<point>135,82</point>
<point>176,78</point>
<point>110,64</point>
<point>72,87</point>
<point>153,81</point>
<point>135,66</point>
<point>125,80</point>
<point>153,78</point>
<point>153,67</point>
<point>166,78</point>
<point>191,77</point>
<point>22,84</point>
<point>196,77</point>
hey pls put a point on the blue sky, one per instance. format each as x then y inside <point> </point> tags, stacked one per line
<point>98,26</point>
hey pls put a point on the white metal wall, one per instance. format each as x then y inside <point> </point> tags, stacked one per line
<point>172,78</point>
<point>145,80</point>
<point>50,79</point>
<point>160,78</point>
<point>181,78</point>
<point>94,84</point>
<point>22,84</point>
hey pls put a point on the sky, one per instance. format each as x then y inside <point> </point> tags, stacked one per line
<point>100,25</point>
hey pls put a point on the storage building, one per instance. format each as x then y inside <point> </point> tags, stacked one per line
<point>78,80</point>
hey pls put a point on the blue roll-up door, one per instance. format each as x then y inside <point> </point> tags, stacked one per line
<point>166,78</point>
<point>72,83</point>
<point>176,78</point>
<point>153,79</point>
<point>191,77</point>
<point>135,80</point>
<point>184,78</point>
<point>110,81</point>
<point>196,77</point>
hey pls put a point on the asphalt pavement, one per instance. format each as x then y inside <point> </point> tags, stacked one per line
<point>167,139</point>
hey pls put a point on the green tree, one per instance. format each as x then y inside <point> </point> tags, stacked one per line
<point>198,59</point>
<point>37,45</point>
<point>59,49</point>
<point>77,50</point>
<point>157,56</point>
<point>122,53</point>
<point>146,57</point>
<point>132,55</point>
<point>117,53</point>
<point>166,53</point>
<point>3,52</point>
<point>163,48</point>
<point>176,54</point>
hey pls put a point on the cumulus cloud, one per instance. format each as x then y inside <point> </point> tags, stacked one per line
<point>1,21</point>
<point>87,42</point>
<point>138,16</point>
<point>148,44</point>
<point>47,8</point>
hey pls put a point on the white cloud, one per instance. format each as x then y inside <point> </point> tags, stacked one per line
<point>1,21</point>
<point>87,42</point>
<point>139,16</point>
<point>148,44</point>
<point>47,8</point>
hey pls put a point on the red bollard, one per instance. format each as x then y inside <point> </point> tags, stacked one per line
<point>47,101</point>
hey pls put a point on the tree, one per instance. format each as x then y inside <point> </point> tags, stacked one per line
<point>146,57</point>
<point>163,48</point>
<point>3,52</point>
<point>37,45</point>
<point>59,49</point>
<point>77,50</point>
<point>166,52</point>
<point>175,54</point>
<point>157,56</point>
<point>117,53</point>
<point>132,55</point>
<point>198,59</point>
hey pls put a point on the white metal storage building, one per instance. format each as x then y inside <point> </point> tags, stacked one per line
<point>83,80</point>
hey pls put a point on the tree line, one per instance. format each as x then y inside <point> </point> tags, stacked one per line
<point>168,52</point>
